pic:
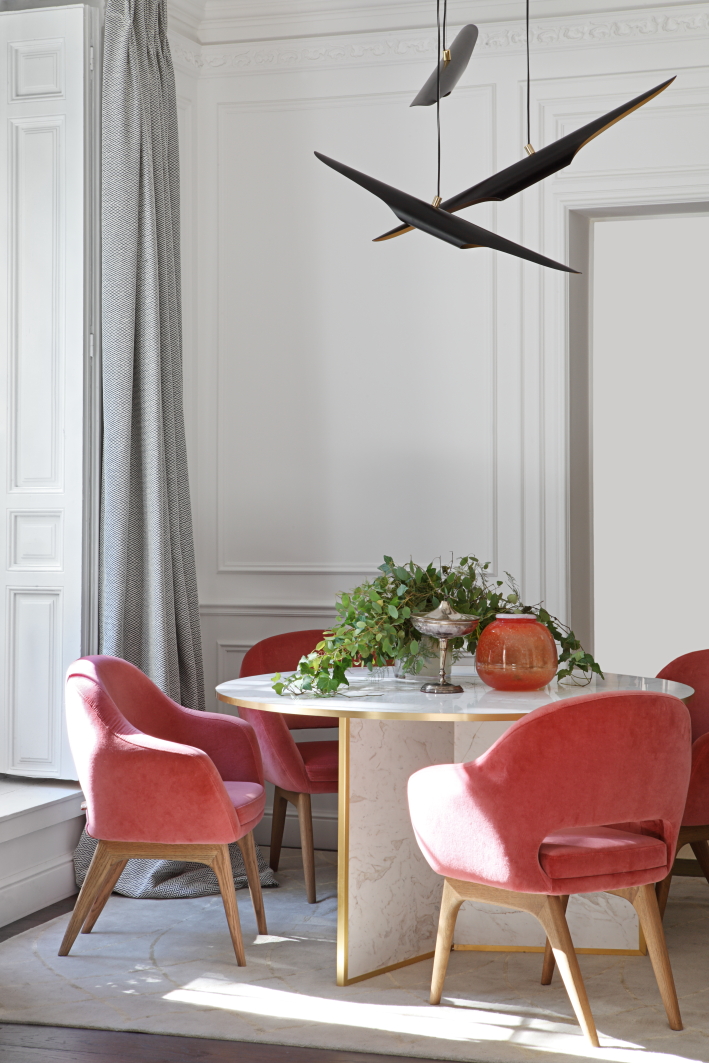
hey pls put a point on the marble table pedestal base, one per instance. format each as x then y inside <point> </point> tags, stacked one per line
<point>388,895</point>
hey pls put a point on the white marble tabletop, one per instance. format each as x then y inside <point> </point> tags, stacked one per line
<point>401,699</point>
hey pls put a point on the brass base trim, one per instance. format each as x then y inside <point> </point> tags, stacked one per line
<point>391,967</point>
<point>343,854</point>
<point>540,948</point>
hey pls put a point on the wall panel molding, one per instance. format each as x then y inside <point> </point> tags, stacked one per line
<point>36,70</point>
<point>35,540</point>
<point>37,207</point>
<point>270,609</point>
<point>34,676</point>
<point>304,568</point>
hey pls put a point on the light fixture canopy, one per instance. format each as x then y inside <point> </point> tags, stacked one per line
<point>450,70</point>
<point>435,221</point>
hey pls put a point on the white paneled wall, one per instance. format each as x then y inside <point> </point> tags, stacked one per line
<point>48,377</point>
<point>347,399</point>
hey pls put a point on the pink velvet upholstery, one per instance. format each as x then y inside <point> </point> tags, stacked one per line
<point>525,816</point>
<point>693,669</point>
<point>281,653</point>
<point>301,767</point>
<point>153,771</point>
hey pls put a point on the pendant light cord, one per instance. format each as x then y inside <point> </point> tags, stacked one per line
<point>438,101</point>
<point>529,138</point>
<point>441,44</point>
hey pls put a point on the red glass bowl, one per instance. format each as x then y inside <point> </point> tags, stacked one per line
<point>516,652</point>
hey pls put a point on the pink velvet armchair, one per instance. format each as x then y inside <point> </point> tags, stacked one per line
<point>160,781</point>
<point>693,669</point>
<point>525,825</point>
<point>297,769</point>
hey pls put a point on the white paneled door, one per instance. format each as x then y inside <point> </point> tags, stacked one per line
<point>49,379</point>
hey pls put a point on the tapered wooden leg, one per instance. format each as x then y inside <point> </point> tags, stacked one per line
<point>645,904</point>
<point>248,851</point>
<point>662,892</point>
<point>221,865</point>
<point>553,920</point>
<point>99,868</point>
<point>105,892</point>
<point>305,818</point>
<point>549,961</point>
<point>450,905</point>
<point>701,851</point>
<point>278,823</point>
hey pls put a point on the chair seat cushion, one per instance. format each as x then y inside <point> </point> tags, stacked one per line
<point>249,800</point>
<point>320,760</point>
<point>584,851</point>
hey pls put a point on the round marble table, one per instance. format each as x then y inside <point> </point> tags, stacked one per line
<point>388,896</point>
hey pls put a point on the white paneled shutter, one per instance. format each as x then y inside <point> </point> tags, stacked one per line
<point>49,375</point>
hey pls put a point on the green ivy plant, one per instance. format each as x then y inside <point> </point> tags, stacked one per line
<point>374,624</point>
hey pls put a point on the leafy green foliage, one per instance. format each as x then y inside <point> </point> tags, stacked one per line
<point>374,624</point>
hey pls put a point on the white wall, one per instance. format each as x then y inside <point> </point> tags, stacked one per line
<point>322,369</point>
<point>650,440</point>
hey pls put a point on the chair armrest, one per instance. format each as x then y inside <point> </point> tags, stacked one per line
<point>230,742</point>
<point>141,788</point>
<point>467,828</point>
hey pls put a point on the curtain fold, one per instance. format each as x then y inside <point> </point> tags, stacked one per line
<point>148,597</point>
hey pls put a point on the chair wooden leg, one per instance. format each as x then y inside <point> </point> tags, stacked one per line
<point>662,892</point>
<point>104,893</point>
<point>278,823</point>
<point>305,819</point>
<point>549,961</point>
<point>701,851</point>
<point>221,865</point>
<point>248,851</point>
<point>450,905</point>
<point>645,904</point>
<point>553,920</point>
<point>99,868</point>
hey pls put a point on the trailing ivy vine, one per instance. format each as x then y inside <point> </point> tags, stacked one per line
<point>374,624</point>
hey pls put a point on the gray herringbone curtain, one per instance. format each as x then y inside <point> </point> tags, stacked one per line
<point>149,609</point>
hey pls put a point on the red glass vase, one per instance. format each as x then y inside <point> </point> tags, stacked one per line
<point>516,652</point>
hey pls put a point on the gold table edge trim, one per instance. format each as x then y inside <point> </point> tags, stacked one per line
<point>540,948</point>
<point>363,714</point>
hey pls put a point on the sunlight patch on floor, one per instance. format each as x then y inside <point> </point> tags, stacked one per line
<point>461,1023</point>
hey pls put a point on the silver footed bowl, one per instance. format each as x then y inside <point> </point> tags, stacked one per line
<point>445,623</point>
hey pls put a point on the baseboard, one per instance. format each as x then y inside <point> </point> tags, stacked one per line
<point>324,831</point>
<point>32,888</point>
<point>40,824</point>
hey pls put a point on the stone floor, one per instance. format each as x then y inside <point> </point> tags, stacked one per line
<point>167,967</point>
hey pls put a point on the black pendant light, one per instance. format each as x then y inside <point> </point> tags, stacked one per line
<point>542,163</point>
<point>418,214</point>
<point>450,68</point>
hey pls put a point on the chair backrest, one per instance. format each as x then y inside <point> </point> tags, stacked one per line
<point>138,786</point>
<point>595,760</point>
<point>693,669</point>
<point>281,653</point>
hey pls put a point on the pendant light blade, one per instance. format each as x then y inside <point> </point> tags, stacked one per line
<point>436,222</point>
<point>543,163</point>
<point>449,73</point>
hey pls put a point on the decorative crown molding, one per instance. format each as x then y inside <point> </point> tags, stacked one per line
<point>347,50</point>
